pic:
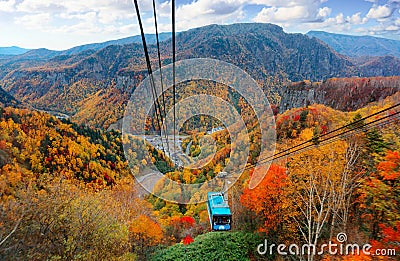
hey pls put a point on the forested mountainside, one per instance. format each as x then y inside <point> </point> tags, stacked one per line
<point>68,187</point>
<point>74,83</point>
<point>7,100</point>
<point>264,50</point>
<point>382,65</point>
<point>34,143</point>
<point>67,190</point>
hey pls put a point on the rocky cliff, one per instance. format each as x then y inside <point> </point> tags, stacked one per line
<point>346,94</point>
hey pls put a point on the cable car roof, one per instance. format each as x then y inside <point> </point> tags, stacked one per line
<point>218,204</point>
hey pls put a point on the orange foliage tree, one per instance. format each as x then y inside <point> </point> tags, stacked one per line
<point>268,199</point>
<point>144,233</point>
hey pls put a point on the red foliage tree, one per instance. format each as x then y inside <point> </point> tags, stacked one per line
<point>188,240</point>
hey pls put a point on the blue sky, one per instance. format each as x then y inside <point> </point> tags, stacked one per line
<point>62,24</point>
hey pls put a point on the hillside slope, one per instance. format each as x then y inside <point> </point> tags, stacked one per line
<point>265,51</point>
<point>7,100</point>
<point>88,83</point>
<point>358,45</point>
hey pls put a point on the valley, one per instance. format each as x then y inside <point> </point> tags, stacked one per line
<point>74,186</point>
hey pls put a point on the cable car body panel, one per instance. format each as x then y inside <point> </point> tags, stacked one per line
<point>219,212</point>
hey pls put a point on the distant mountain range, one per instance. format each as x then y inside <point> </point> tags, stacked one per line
<point>43,53</point>
<point>150,39</point>
<point>92,82</point>
<point>349,45</point>
<point>263,50</point>
<point>356,46</point>
<point>12,50</point>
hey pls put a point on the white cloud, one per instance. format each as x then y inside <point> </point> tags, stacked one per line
<point>125,29</point>
<point>339,19</point>
<point>110,19</point>
<point>282,14</point>
<point>107,10</point>
<point>324,12</point>
<point>356,19</point>
<point>383,28</point>
<point>38,6</point>
<point>392,28</point>
<point>204,12</point>
<point>379,12</point>
<point>383,19</point>
<point>7,5</point>
<point>75,16</point>
<point>34,21</point>
<point>293,12</point>
<point>118,13</point>
<point>82,28</point>
<point>338,23</point>
<point>292,15</point>
<point>284,3</point>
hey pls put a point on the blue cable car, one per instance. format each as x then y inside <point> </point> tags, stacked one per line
<point>218,212</point>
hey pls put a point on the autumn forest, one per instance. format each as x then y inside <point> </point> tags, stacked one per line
<point>70,191</point>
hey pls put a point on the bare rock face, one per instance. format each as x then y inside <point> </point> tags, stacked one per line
<point>346,94</point>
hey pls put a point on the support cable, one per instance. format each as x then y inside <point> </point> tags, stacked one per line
<point>332,138</point>
<point>340,128</point>
<point>163,116</point>
<point>150,72</point>
<point>173,72</point>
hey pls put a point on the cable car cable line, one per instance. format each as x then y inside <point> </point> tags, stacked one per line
<point>335,137</point>
<point>340,128</point>
<point>161,79</point>
<point>174,72</point>
<point>323,142</point>
<point>150,73</point>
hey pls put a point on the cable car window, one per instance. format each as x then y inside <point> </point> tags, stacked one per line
<point>221,220</point>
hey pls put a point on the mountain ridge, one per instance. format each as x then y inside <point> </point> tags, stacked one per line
<point>75,83</point>
<point>356,46</point>
<point>45,54</point>
<point>13,50</point>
